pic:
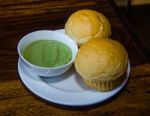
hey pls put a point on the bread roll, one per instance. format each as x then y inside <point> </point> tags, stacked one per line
<point>102,63</point>
<point>84,25</point>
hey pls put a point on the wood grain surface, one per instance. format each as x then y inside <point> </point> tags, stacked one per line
<point>19,17</point>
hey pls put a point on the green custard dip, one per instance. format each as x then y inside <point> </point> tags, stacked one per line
<point>47,53</point>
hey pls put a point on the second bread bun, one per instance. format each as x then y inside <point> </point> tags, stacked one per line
<point>102,63</point>
<point>84,25</point>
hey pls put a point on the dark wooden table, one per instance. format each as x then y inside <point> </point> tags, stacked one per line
<point>18,18</point>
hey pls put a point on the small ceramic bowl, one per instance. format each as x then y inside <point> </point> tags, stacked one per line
<point>47,35</point>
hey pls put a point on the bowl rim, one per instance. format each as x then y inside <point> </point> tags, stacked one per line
<point>48,31</point>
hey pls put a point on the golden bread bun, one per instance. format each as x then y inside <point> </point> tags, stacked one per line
<point>102,63</point>
<point>84,25</point>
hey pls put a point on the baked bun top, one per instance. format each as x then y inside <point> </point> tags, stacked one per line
<point>104,59</point>
<point>84,25</point>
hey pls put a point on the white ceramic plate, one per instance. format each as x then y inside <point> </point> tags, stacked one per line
<point>67,89</point>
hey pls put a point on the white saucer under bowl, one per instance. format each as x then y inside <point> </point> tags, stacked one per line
<point>67,89</point>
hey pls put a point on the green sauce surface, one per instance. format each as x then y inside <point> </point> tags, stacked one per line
<point>47,53</point>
